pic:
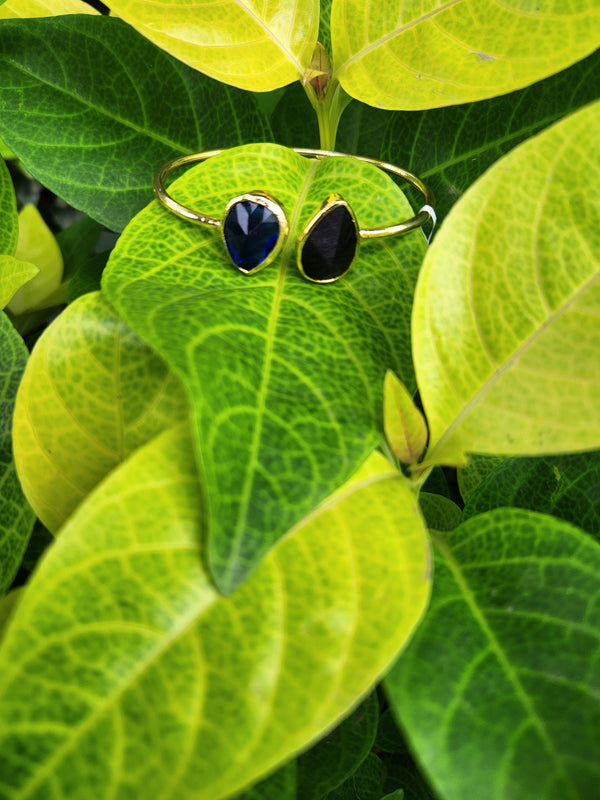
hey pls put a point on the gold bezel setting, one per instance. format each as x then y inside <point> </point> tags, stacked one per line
<point>328,254</point>
<point>258,249</point>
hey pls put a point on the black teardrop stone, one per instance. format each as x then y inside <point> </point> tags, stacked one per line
<point>250,231</point>
<point>330,247</point>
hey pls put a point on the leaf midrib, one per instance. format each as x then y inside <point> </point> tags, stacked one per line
<point>246,491</point>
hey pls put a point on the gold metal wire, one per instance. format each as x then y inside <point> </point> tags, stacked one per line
<point>425,214</point>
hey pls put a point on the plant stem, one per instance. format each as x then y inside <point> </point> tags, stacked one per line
<point>329,109</point>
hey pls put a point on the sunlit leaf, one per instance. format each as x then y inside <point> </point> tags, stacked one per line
<point>98,142</point>
<point>92,393</point>
<point>16,517</point>
<point>285,376</point>
<point>37,246</point>
<point>431,54</point>
<point>403,423</point>
<point>450,148</point>
<point>172,686</point>
<point>252,45</point>
<point>43,8</point>
<point>506,320</point>
<point>499,691</point>
<point>8,604</point>
<point>13,274</point>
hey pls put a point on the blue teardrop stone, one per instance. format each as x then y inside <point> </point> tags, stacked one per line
<point>250,231</point>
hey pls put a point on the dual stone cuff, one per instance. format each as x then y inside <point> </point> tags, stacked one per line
<point>254,225</point>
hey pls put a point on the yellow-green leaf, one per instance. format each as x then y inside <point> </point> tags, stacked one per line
<point>37,246</point>
<point>14,273</point>
<point>403,423</point>
<point>285,376</point>
<point>138,660</point>
<point>431,54</point>
<point>245,43</point>
<point>92,393</point>
<point>43,8</point>
<point>506,320</point>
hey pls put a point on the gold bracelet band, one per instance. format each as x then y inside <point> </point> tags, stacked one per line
<point>254,225</point>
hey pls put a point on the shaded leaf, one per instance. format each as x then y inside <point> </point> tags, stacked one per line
<point>294,123</point>
<point>389,737</point>
<point>368,779</point>
<point>77,243</point>
<point>9,230</point>
<point>138,658</point>
<point>285,376</point>
<point>92,394</point>
<point>88,277</point>
<point>339,754</point>
<point>567,486</point>
<point>499,689</point>
<point>518,303</point>
<point>280,785</point>
<point>16,517</point>
<point>252,45</point>
<point>428,55</point>
<point>403,775</point>
<point>441,513</point>
<point>476,471</point>
<point>97,143</point>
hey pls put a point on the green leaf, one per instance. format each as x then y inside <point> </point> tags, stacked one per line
<point>441,513</point>
<point>293,121</point>
<point>9,230</point>
<point>565,486</point>
<point>43,8</point>
<point>428,55</point>
<point>403,423</point>
<point>451,147</point>
<point>92,394</point>
<point>37,246</point>
<point>339,754</point>
<point>285,376</point>
<point>97,143</point>
<point>368,779</point>
<point>280,785</point>
<point>389,738</point>
<point>16,517</point>
<point>88,277</point>
<point>140,662</point>
<point>14,273</point>
<point>499,689</point>
<point>77,243</point>
<point>476,471</point>
<point>8,604</point>
<point>252,45</point>
<point>403,775</point>
<point>519,303</point>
